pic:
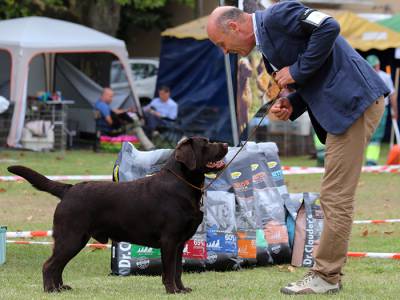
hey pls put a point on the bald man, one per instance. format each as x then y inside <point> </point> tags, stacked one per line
<point>340,91</point>
<point>107,123</point>
<point>116,121</point>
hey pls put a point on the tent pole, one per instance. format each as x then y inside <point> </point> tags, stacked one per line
<point>231,98</point>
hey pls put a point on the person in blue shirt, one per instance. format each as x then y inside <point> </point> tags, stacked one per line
<point>111,121</point>
<point>115,122</point>
<point>160,111</point>
<point>342,94</point>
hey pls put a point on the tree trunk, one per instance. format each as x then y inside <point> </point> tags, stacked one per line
<point>104,16</point>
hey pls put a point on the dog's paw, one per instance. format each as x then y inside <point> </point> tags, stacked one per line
<point>52,289</point>
<point>58,289</point>
<point>172,290</point>
<point>185,290</point>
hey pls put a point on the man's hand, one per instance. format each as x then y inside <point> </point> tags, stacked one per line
<point>282,109</point>
<point>155,113</point>
<point>283,77</point>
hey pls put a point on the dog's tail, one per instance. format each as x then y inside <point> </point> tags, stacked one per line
<point>40,182</point>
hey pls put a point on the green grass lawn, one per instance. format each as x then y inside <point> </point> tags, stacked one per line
<point>24,208</point>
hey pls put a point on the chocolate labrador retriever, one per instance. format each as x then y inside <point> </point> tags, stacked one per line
<point>167,205</point>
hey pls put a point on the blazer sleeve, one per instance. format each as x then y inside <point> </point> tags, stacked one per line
<point>319,30</point>
<point>299,106</point>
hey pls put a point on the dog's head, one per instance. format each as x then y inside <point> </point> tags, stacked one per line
<point>197,153</point>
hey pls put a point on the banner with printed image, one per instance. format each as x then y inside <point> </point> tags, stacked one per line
<point>252,77</point>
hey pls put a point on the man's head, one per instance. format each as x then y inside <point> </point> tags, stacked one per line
<point>231,29</point>
<point>374,62</point>
<point>107,95</point>
<point>164,93</point>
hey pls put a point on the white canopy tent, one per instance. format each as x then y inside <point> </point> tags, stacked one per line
<point>25,38</point>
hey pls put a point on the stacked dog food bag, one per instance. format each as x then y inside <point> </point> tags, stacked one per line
<point>257,177</point>
<point>220,224</point>
<point>305,222</point>
<point>269,191</point>
<point>239,173</point>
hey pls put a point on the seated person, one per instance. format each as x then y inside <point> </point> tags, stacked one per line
<point>112,122</point>
<point>160,111</point>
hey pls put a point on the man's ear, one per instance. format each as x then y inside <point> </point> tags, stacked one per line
<point>232,25</point>
<point>184,153</point>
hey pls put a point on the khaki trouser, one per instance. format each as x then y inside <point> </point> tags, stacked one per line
<point>343,162</point>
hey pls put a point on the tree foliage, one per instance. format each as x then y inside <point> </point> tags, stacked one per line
<point>103,15</point>
<point>147,14</point>
<point>23,8</point>
<point>108,16</point>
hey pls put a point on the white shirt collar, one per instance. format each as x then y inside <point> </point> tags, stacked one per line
<point>255,29</point>
<point>258,42</point>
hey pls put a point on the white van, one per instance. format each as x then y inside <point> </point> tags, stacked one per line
<point>144,71</point>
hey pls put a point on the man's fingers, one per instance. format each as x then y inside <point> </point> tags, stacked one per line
<point>286,116</point>
<point>282,113</point>
<point>276,108</point>
<point>283,82</point>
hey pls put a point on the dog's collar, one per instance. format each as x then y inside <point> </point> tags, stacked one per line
<point>201,189</point>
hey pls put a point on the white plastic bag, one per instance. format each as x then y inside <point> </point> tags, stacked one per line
<point>4,104</point>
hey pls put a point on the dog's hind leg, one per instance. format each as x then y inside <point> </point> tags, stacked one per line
<point>168,259</point>
<point>65,248</point>
<point>178,273</point>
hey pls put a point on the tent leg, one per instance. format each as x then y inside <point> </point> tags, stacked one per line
<point>144,140</point>
<point>138,131</point>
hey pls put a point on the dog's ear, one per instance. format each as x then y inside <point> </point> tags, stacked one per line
<point>184,153</point>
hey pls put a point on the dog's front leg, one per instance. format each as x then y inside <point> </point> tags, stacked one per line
<point>178,273</point>
<point>168,258</point>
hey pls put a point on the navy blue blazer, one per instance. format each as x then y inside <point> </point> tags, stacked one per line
<point>333,82</point>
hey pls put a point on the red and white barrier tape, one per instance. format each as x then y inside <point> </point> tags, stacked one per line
<point>49,233</point>
<point>374,255</point>
<point>29,234</point>
<point>376,221</point>
<point>104,246</point>
<point>316,170</point>
<point>63,177</point>
<point>286,171</point>
<point>96,246</point>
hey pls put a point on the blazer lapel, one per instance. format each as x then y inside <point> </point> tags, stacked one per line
<point>266,43</point>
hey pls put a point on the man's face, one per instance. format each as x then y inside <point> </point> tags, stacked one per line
<point>164,95</point>
<point>232,40</point>
<point>108,96</point>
